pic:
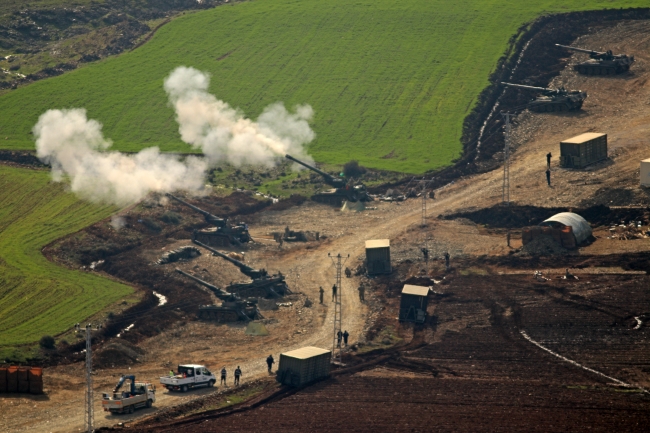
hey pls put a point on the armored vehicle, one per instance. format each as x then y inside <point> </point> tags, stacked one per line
<point>232,307</point>
<point>341,191</point>
<point>262,285</point>
<point>602,63</point>
<point>223,234</point>
<point>549,100</point>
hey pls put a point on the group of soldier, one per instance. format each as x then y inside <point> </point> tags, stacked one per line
<point>224,374</point>
<point>361,289</point>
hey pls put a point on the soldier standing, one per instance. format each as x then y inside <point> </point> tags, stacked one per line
<point>362,291</point>
<point>223,375</point>
<point>425,253</point>
<point>447,260</point>
<point>548,160</point>
<point>345,337</point>
<point>321,292</point>
<point>270,360</point>
<point>333,292</point>
<point>339,337</point>
<point>508,237</point>
<point>237,375</point>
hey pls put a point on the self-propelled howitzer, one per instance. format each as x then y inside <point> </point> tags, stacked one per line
<point>342,190</point>
<point>232,307</point>
<point>223,234</point>
<point>550,100</point>
<point>601,62</point>
<point>262,285</point>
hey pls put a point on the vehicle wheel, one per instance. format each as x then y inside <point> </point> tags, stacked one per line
<point>211,384</point>
<point>184,388</point>
<point>149,403</point>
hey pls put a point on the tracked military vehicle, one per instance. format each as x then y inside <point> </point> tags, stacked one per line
<point>341,191</point>
<point>550,100</point>
<point>223,234</point>
<point>601,62</point>
<point>232,307</point>
<point>262,285</point>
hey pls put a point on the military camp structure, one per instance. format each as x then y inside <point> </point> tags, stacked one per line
<point>304,365</point>
<point>583,150</point>
<point>413,305</point>
<point>378,257</point>
<point>568,230</point>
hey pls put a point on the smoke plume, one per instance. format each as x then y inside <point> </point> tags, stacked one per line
<point>224,134</point>
<point>76,149</point>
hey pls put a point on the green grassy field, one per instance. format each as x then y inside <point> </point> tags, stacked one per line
<point>390,81</point>
<point>38,297</point>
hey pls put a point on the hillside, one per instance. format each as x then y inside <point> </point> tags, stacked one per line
<point>38,297</point>
<point>390,82</point>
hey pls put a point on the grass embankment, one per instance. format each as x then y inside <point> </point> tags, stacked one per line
<point>390,81</point>
<point>38,297</point>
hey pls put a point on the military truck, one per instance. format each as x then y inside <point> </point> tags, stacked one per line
<point>222,234</point>
<point>262,285</point>
<point>232,307</point>
<point>189,376</point>
<point>341,191</point>
<point>601,62</point>
<point>140,394</point>
<point>550,100</point>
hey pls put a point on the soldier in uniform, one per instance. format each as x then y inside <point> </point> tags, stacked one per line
<point>270,360</point>
<point>339,337</point>
<point>345,337</point>
<point>362,291</point>
<point>223,375</point>
<point>237,375</point>
<point>333,292</point>
<point>447,257</point>
<point>321,292</point>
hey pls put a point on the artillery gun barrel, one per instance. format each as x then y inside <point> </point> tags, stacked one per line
<point>220,222</point>
<point>522,86</point>
<point>329,179</point>
<point>582,50</point>
<point>245,269</point>
<point>223,295</point>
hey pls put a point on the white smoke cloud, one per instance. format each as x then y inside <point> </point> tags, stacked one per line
<point>76,149</point>
<point>224,134</point>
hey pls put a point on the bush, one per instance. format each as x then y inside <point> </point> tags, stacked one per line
<point>47,342</point>
<point>171,218</point>
<point>151,224</point>
<point>353,169</point>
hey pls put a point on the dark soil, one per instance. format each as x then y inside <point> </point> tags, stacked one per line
<point>514,216</point>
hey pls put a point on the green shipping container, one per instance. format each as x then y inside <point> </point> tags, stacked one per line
<point>302,366</point>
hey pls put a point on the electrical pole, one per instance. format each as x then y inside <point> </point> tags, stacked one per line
<point>89,418</point>
<point>424,202</point>
<point>338,264</point>
<point>506,162</point>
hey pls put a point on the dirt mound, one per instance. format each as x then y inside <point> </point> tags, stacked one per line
<point>542,246</point>
<point>117,353</point>
<point>514,216</point>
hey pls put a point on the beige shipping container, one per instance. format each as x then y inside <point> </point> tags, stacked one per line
<point>378,256</point>
<point>583,150</point>
<point>302,366</point>
<point>645,172</point>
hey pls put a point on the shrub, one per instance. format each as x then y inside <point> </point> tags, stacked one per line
<point>47,342</point>
<point>171,218</point>
<point>151,224</point>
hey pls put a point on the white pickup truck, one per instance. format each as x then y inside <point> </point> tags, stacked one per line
<point>140,394</point>
<point>188,376</point>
